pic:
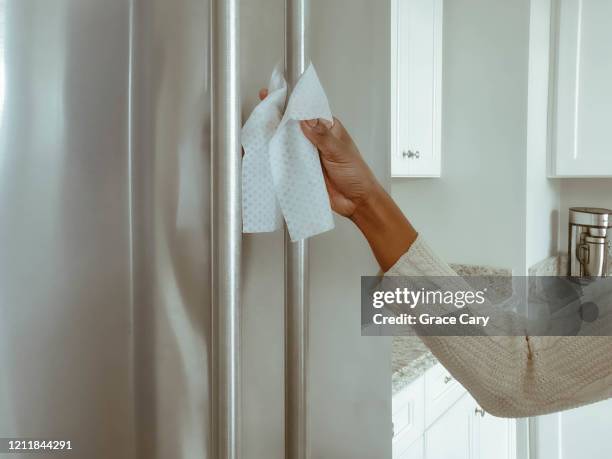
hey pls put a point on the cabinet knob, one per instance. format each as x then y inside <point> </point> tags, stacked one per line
<point>411,154</point>
<point>448,379</point>
<point>480,411</point>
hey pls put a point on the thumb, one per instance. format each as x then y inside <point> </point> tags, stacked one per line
<point>319,132</point>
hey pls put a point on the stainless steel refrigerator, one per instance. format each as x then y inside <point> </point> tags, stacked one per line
<point>119,124</point>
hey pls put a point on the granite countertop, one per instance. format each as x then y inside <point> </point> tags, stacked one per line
<point>410,357</point>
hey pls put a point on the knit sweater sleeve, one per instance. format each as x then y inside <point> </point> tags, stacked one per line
<point>517,376</point>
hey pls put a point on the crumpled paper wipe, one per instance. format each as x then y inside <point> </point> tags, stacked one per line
<point>281,172</point>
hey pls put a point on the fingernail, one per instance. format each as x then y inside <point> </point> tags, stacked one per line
<point>312,123</point>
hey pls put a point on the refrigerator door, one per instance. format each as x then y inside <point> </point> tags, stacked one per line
<point>104,226</point>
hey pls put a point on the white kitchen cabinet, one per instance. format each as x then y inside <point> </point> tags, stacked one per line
<point>416,87</point>
<point>492,437</point>
<point>450,437</point>
<point>435,418</point>
<point>414,451</point>
<point>408,414</point>
<point>441,392</point>
<point>466,431</point>
<point>581,108</point>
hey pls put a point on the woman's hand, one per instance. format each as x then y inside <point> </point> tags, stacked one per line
<point>349,180</point>
<point>355,193</point>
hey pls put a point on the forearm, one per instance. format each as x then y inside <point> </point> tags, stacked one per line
<point>516,376</point>
<point>383,224</point>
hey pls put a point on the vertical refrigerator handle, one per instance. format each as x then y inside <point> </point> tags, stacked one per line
<point>296,266</point>
<point>226,231</point>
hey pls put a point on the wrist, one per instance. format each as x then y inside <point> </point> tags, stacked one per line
<point>369,210</point>
<point>387,230</point>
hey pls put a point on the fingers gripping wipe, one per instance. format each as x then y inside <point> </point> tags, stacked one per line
<point>281,169</point>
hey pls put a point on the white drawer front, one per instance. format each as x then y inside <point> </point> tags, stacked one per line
<point>415,450</point>
<point>408,408</point>
<point>441,391</point>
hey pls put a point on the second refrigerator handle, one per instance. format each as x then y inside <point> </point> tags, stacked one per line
<point>296,266</point>
<point>226,230</point>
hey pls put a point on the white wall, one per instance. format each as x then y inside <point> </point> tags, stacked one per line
<point>542,198</point>
<point>475,213</point>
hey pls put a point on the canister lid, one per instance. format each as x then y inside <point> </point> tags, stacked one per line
<point>590,216</point>
<point>595,240</point>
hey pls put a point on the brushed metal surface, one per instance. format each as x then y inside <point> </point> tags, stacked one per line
<point>227,228</point>
<point>589,236</point>
<point>65,292</point>
<point>105,327</point>
<point>171,218</point>
<point>590,216</point>
<point>296,267</point>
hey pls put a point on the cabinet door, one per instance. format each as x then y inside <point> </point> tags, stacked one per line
<point>581,138</point>
<point>493,438</point>
<point>414,451</point>
<point>408,408</point>
<point>416,87</point>
<point>441,392</point>
<point>450,436</point>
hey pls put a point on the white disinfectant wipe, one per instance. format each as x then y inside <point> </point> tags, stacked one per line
<point>281,171</point>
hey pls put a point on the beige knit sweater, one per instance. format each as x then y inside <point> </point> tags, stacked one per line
<point>513,376</point>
